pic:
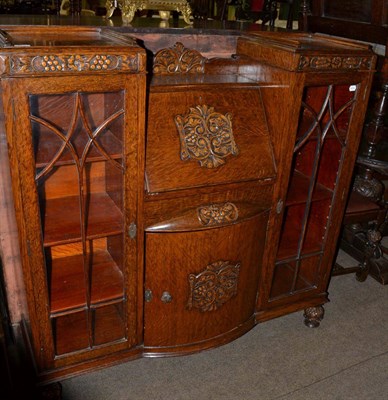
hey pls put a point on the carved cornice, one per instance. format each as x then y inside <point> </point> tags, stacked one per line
<point>217,214</point>
<point>65,63</point>
<point>206,136</point>
<point>179,59</point>
<point>333,62</point>
<point>213,287</point>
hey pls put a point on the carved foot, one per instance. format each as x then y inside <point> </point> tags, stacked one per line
<point>363,272</point>
<point>110,8</point>
<point>378,269</point>
<point>50,392</point>
<point>186,13</point>
<point>313,316</point>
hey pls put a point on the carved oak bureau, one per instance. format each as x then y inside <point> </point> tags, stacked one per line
<point>168,213</point>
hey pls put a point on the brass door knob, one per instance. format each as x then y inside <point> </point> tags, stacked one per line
<point>166,297</point>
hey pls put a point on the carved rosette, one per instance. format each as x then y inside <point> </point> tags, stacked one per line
<point>213,287</point>
<point>217,214</point>
<point>333,62</point>
<point>206,136</point>
<point>54,63</point>
<point>178,59</point>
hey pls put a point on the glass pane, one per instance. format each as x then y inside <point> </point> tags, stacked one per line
<point>75,127</point>
<point>109,323</point>
<point>106,271</point>
<point>71,332</point>
<point>318,154</point>
<point>295,276</point>
<point>79,154</point>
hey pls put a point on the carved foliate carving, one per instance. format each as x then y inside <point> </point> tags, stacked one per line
<point>213,287</point>
<point>334,62</point>
<point>217,214</point>
<point>370,187</point>
<point>53,63</point>
<point>179,59</point>
<point>206,136</point>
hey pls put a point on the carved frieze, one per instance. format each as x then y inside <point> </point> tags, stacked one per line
<point>217,214</point>
<point>59,63</point>
<point>206,136</point>
<point>333,62</point>
<point>213,287</point>
<point>179,59</point>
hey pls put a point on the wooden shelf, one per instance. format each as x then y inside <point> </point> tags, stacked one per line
<point>109,324</point>
<point>61,222</point>
<point>49,144</point>
<point>282,281</point>
<point>68,291</point>
<point>298,190</point>
<point>292,230</point>
<point>71,333</point>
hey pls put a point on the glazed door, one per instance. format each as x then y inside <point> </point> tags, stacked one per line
<point>316,190</point>
<point>76,146</point>
<point>201,286</point>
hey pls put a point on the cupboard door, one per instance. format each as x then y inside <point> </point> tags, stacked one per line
<point>319,153</point>
<point>201,286</point>
<point>78,151</point>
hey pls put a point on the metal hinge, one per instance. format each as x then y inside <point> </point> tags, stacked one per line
<point>279,206</point>
<point>132,230</point>
<point>148,295</point>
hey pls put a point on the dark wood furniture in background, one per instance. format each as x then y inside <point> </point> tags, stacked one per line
<point>177,227</point>
<point>36,7</point>
<point>366,21</point>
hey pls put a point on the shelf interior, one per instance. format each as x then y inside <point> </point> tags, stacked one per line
<point>68,286</point>
<point>293,229</point>
<point>295,276</point>
<point>298,190</point>
<point>62,218</point>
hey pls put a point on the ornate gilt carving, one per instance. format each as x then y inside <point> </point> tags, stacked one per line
<point>179,59</point>
<point>206,136</point>
<point>334,62</point>
<point>217,214</point>
<point>213,287</point>
<point>129,7</point>
<point>53,63</point>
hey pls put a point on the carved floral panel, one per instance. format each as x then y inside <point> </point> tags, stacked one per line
<point>206,136</point>
<point>213,287</point>
<point>334,62</point>
<point>217,214</point>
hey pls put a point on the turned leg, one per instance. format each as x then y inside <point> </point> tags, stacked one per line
<point>304,13</point>
<point>313,316</point>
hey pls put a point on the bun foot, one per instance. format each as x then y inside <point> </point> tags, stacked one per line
<point>313,316</point>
